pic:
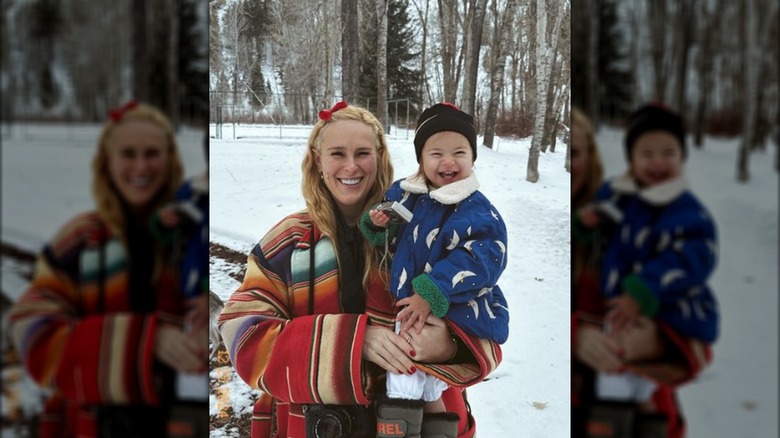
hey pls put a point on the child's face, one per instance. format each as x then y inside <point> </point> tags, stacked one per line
<point>138,161</point>
<point>446,158</point>
<point>656,158</point>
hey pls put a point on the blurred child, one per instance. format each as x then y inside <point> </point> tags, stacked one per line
<point>183,223</point>
<point>448,257</point>
<point>661,245</point>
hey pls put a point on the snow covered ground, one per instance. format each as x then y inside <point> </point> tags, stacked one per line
<point>255,181</point>
<point>737,396</point>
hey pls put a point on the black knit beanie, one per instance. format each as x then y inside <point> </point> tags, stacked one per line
<point>444,117</point>
<point>654,117</point>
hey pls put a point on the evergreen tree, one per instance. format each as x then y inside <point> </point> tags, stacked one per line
<point>192,65</point>
<point>254,36</point>
<point>402,66</point>
<point>614,79</point>
<point>193,61</point>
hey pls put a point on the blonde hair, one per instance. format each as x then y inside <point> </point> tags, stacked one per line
<point>319,201</point>
<point>594,169</point>
<point>108,199</point>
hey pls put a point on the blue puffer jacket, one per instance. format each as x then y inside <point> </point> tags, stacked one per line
<point>452,253</point>
<point>661,252</point>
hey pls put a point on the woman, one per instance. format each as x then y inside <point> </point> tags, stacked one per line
<point>314,329</point>
<point>674,360</point>
<point>100,323</point>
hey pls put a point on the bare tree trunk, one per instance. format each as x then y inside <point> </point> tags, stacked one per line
<point>551,63</point>
<point>350,72</point>
<point>424,89</point>
<point>472,57</point>
<point>330,51</point>
<point>659,27</point>
<point>173,62</point>
<point>447,26</point>
<point>542,62</point>
<point>549,135</point>
<point>381,62</point>
<point>592,91</point>
<point>750,69</point>
<point>710,23</point>
<point>567,122</point>
<point>501,30</point>
<point>140,82</point>
<point>687,21</point>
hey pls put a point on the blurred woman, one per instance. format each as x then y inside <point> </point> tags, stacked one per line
<point>100,323</point>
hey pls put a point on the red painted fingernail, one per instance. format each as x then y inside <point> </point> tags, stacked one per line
<point>412,353</point>
<point>412,370</point>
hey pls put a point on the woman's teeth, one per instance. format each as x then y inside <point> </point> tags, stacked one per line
<point>140,182</point>
<point>350,182</point>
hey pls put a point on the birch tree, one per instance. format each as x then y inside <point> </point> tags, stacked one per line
<point>501,30</point>
<point>448,28</point>
<point>350,47</point>
<point>381,62</point>
<point>473,49</point>
<point>705,61</point>
<point>138,14</point>
<point>542,68</point>
<point>424,87</point>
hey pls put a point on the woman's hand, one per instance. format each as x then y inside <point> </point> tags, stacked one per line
<point>179,351</point>
<point>641,342</point>
<point>597,350</point>
<point>388,350</point>
<point>434,343</point>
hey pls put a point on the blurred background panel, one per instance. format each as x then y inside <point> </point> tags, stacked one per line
<point>715,62</point>
<point>63,67</point>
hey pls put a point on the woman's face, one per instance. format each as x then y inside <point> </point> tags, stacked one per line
<point>138,161</point>
<point>579,160</point>
<point>348,162</point>
<point>656,158</point>
<point>446,157</point>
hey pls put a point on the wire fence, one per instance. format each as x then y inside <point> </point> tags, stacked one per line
<point>292,113</point>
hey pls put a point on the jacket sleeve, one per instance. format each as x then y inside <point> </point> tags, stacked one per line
<point>296,359</point>
<point>485,357</point>
<point>474,264</point>
<point>685,257</point>
<point>101,358</point>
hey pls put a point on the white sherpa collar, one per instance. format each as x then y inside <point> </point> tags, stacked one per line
<point>450,194</point>
<point>660,194</point>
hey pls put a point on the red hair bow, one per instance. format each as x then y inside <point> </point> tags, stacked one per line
<point>325,115</point>
<point>116,114</point>
<point>451,105</point>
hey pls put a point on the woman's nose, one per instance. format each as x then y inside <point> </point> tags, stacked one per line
<point>140,163</point>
